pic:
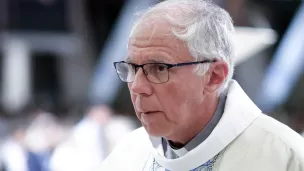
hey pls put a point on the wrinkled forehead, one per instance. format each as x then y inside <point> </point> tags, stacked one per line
<point>152,37</point>
<point>151,27</point>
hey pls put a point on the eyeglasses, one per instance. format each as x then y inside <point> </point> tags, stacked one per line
<point>155,72</point>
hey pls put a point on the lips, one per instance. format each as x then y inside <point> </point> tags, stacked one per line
<point>149,118</point>
<point>148,112</point>
<point>144,107</point>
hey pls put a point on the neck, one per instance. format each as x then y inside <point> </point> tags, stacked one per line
<point>186,134</point>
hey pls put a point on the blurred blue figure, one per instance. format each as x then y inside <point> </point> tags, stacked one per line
<point>286,68</point>
<point>40,139</point>
<point>38,161</point>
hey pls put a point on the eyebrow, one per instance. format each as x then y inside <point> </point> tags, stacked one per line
<point>157,60</point>
<point>151,60</point>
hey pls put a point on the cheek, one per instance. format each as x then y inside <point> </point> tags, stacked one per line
<point>180,101</point>
<point>133,96</point>
<point>173,101</point>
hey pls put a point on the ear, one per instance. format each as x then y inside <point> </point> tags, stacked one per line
<point>217,74</point>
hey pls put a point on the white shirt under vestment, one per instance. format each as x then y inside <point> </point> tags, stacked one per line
<point>243,140</point>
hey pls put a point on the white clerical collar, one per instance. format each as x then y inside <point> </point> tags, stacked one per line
<point>238,114</point>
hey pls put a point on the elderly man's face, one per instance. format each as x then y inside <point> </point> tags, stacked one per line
<point>164,109</point>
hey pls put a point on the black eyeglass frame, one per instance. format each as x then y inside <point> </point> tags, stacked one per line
<point>136,66</point>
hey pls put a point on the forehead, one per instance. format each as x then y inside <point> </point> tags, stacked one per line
<point>153,38</point>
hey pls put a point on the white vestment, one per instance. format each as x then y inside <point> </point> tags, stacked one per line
<point>243,140</point>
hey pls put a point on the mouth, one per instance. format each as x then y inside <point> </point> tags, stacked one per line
<point>149,118</point>
<point>149,112</point>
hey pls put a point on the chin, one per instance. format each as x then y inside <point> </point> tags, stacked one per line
<point>155,131</point>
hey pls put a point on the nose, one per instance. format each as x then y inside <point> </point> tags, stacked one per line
<point>140,85</point>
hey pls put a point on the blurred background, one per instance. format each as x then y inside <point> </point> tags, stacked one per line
<point>64,108</point>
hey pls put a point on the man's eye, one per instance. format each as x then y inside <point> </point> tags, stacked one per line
<point>161,68</point>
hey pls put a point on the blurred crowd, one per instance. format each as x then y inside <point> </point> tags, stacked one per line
<point>67,43</point>
<point>43,142</point>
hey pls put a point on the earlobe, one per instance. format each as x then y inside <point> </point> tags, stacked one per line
<point>217,74</point>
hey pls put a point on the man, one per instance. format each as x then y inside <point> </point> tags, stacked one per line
<point>178,68</point>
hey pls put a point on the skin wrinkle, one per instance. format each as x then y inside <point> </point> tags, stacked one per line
<point>156,44</point>
<point>154,29</point>
<point>167,50</point>
<point>154,58</point>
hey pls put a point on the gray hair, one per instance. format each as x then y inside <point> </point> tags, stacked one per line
<point>204,27</point>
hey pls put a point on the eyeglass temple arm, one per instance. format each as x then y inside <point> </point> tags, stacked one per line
<point>191,63</point>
